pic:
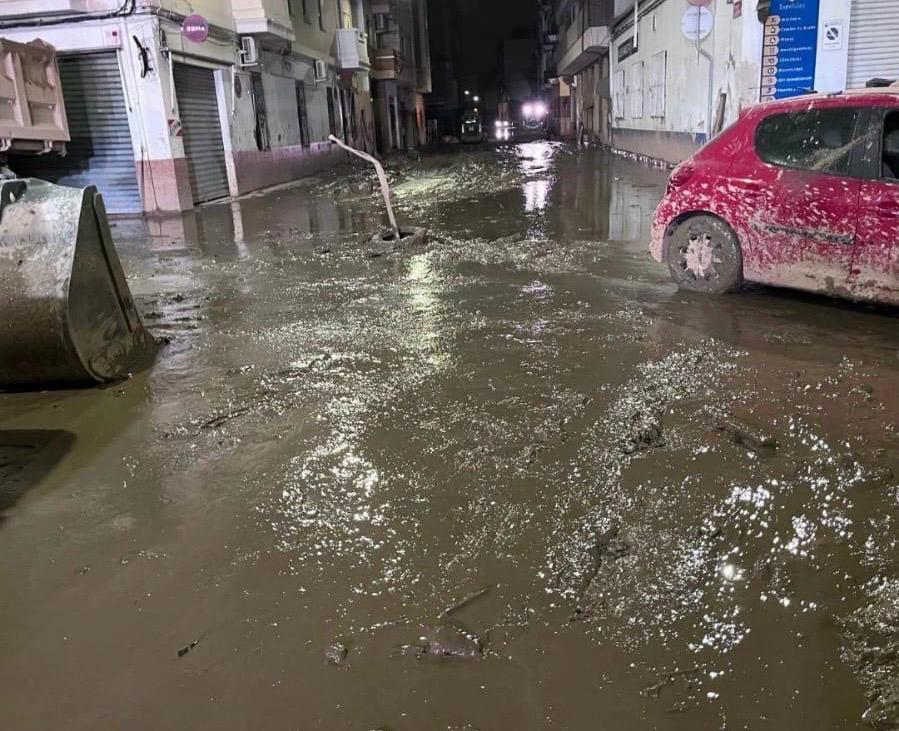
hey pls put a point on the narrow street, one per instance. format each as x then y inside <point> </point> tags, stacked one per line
<point>512,479</point>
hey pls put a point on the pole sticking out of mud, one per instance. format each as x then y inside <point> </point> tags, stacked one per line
<point>382,177</point>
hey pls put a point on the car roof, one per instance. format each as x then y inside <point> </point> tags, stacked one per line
<point>888,95</point>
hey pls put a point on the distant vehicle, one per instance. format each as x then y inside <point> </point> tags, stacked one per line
<point>534,121</point>
<point>800,193</point>
<point>472,129</point>
<point>503,130</point>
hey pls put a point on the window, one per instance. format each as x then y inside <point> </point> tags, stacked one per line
<point>263,140</point>
<point>332,112</point>
<point>345,14</point>
<point>635,90</point>
<point>321,15</point>
<point>302,115</point>
<point>305,8</point>
<point>891,147</point>
<point>619,94</point>
<point>820,139</point>
<point>657,93</point>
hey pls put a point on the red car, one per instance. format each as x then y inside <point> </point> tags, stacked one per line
<point>800,193</point>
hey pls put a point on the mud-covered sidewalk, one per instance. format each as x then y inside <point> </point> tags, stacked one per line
<point>509,480</point>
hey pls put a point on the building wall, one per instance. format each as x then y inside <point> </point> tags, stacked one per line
<point>154,118</point>
<point>684,90</point>
<point>397,92</point>
<point>670,121</point>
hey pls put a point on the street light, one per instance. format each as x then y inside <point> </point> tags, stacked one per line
<point>477,99</point>
<point>467,92</point>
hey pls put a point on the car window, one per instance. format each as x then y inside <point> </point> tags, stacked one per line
<point>891,147</point>
<point>817,139</point>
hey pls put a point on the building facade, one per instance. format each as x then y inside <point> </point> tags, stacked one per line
<point>169,108</point>
<point>680,74</point>
<point>575,37</point>
<point>445,103</point>
<point>401,73</point>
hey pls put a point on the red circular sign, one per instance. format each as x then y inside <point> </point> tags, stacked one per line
<point>195,28</point>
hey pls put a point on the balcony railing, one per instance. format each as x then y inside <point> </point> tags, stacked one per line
<point>389,64</point>
<point>352,50</point>
<point>598,12</point>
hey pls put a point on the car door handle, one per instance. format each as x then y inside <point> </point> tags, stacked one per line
<point>750,186</point>
<point>887,207</point>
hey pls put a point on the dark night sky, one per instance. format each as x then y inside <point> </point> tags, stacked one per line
<point>485,23</point>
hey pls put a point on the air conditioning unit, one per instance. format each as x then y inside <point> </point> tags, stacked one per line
<point>249,51</point>
<point>320,71</point>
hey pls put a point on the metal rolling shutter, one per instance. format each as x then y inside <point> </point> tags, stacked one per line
<point>202,132</point>
<point>873,41</point>
<point>100,152</point>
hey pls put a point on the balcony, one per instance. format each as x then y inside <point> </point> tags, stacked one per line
<point>352,50</point>
<point>388,64</point>
<point>383,7</point>
<point>588,37</point>
<point>268,20</point>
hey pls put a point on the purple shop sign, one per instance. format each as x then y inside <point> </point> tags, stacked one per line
<point>195,28</point>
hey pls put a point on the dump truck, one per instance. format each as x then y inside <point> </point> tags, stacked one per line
<point>67,316</point>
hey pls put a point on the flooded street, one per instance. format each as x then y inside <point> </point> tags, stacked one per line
<point>509,480</point>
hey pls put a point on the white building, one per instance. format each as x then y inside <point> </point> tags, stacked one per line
<point>164,116</point>
<point>681,73</point>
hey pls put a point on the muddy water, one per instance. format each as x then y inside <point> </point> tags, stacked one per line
<point>581,498</point>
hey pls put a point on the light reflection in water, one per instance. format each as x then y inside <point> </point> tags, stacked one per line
<point>535,159</point>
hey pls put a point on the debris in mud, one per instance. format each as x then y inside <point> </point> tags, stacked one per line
<point>216,421</point>
<point>871,647</point>
<point>607,545</point>
<point>868,477</point>
<point>654,690</point>
<point>187,648</point>
<point>465,601</point>
<point>336,653</point>
<point>644,432</point>
<point>448,640</point>
<point>530,453</point>
<point>386,242</point>
<point>744,435</point>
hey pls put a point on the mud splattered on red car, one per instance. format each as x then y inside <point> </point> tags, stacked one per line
<point>802,193</point>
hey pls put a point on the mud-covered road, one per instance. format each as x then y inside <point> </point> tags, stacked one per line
<point>511,480</point>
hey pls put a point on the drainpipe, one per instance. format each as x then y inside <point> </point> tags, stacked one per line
<point>708,57</point>
<point>636,24</point>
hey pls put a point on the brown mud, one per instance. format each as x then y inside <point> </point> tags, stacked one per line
<point>685,509</point>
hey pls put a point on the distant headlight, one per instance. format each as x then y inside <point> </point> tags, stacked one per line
<point>527,110</point>
<point>540,110</point>
<point>497,124</point>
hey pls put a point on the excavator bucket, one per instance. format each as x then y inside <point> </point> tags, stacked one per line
<point>66,314</point>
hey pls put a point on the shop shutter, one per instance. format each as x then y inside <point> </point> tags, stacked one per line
<point>100,152</point>
<point>202,132</point>
<point>873,42</point>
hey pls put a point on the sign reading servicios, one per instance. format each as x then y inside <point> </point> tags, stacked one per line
<point>790,48</point>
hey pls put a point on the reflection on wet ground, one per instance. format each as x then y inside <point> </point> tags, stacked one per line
<point>510,480</point>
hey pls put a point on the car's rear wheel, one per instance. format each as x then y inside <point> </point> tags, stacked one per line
<point>704,255</point>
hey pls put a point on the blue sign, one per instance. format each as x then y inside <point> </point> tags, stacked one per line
<point>790,50</point>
